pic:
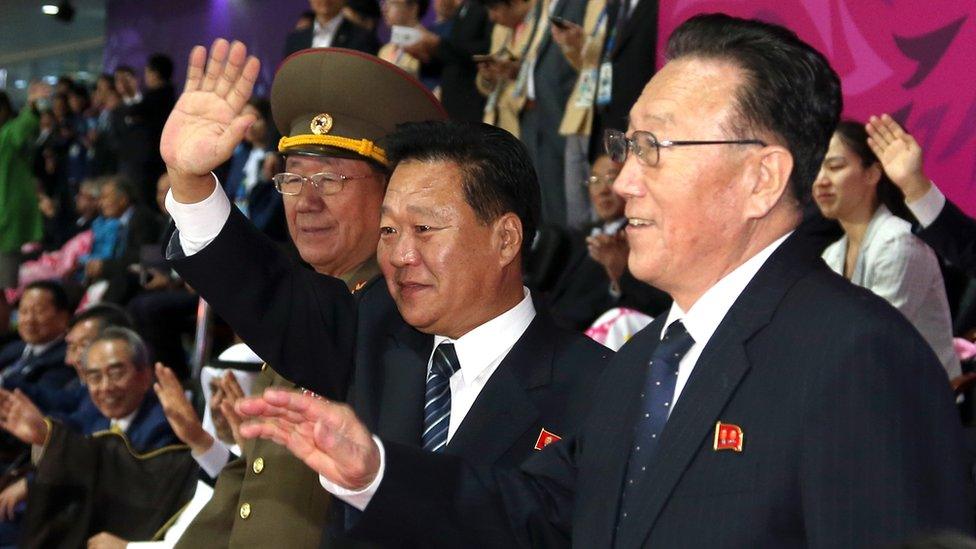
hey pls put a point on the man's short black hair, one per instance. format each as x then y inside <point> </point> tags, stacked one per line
<point>498,176</point>
<point>107,314</point>
<point>58,294</point>
<point>162,65</point>
<point>790,88</point>
<point>124,68</point>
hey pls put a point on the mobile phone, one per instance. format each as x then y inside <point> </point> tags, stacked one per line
<point>483,58</point>
<point>559,22</point>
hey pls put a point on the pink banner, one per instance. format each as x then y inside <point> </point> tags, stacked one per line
<point>914,60</point>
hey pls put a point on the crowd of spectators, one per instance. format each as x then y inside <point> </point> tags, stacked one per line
<point>89,304</point>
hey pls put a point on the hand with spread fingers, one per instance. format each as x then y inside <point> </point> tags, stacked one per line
<point>900,156</point>
<point>326,435</point>
<point>182,418</point>
<point>207,121</point>
<point>21,418</point>
<point>231,392</point>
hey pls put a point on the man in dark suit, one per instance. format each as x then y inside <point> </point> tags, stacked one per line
<point>331,29</point>
<point>38,358</point>
<point>467,366</point>
<point>775,405</point>
<point>630,52</point>
<point>139,226</point>
<point>547,86</point>
<point>448,55</point>
<point>941,224</point>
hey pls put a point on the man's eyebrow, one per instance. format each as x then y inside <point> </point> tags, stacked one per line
<point>426,211</point>
<point>665,118</point>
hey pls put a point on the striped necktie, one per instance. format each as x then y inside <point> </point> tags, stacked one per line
<point>437,408</point>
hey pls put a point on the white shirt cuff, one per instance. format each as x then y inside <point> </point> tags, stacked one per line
<point>199,223</point>
<point>927,208</point>
<point>358,498</point>
<point>212,461</point>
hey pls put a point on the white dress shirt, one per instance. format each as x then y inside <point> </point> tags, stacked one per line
<point>323,35</point>
<point>123,423</point>
<point>199,223</point>
<point>479,353</point>
<point>701,321</point>
<point>927,208</point>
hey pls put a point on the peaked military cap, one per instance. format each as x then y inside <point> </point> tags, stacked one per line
<point>339,102</point>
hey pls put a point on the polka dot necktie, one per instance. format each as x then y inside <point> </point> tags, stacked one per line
<point>437,405</point>
<point>656,400</point>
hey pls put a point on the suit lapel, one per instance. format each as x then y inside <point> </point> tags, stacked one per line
<point>400,406</point>
<point>341,35</point>
<point>722,366</point>
<point>503,410</point>
<point>613,440</point>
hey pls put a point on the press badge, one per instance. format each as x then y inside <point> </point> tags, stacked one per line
<point>587,89</point>
<point>605,84</point>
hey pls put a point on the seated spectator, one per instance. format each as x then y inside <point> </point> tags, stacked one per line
<point>139,226</point>
<point>591,281</point>
<point>83,328</point>
<point>118,376</point>
<point>403,13</point>
<point>38,358</point>
<point>942,225</point>
<point>878,250</point>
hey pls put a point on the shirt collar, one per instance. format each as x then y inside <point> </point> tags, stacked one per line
<point>703,318</point>
<point>39,348</point>
<point>127,215</point>
<point>126,421</point>
<point>328,28</point>
<point>484,345</point>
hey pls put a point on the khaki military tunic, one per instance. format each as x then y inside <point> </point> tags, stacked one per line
<point>268,498</point>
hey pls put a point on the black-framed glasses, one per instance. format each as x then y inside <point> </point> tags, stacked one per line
<point>647,147</point>
<point>326,183</point>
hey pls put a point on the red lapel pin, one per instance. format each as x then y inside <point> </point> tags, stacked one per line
<point>545,439</point>
<point>727,437</point>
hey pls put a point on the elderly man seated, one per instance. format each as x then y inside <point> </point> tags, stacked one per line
<point>38,358</point>
<point>114,453</point>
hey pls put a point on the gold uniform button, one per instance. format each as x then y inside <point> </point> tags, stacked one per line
<point>258,466</point>
<point>245,510</point>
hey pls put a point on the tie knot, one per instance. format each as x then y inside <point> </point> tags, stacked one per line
<point>445,361</point>
<point>677,339</point>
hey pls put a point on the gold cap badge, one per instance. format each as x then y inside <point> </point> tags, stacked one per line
<point>321,124</point>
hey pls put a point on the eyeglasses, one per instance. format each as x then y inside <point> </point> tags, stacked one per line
<point>327,183</point>
<point>115,375</point>
<point>594,180</point>
<point>647,147</point>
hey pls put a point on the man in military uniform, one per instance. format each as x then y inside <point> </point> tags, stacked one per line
<point>332,188</point>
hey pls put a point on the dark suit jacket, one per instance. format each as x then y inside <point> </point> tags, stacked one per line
<point>582,292</point>
<point>349,35</point>
<point>44,370</point>
<point>321,337</point>
<point>470,35</point>
<point>633,59</point>
<point>144,228</point>
<point>851,439</point>
<point>148,431</point>
<point>554,77</point>
<point>953,236</point>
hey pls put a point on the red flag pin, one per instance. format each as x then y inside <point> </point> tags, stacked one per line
<point>545,439</point>
<point>728,437</point>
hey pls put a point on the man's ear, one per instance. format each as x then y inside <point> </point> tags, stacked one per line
<point>769,180</point>
<point>508,235</point>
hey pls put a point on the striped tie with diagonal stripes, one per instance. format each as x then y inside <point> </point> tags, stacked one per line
<point>437,408</point>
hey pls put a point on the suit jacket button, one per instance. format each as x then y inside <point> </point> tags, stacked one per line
<point>245,510</point>
<point>258,466</point>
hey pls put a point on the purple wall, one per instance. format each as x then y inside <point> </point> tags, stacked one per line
<point>135,29</point>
